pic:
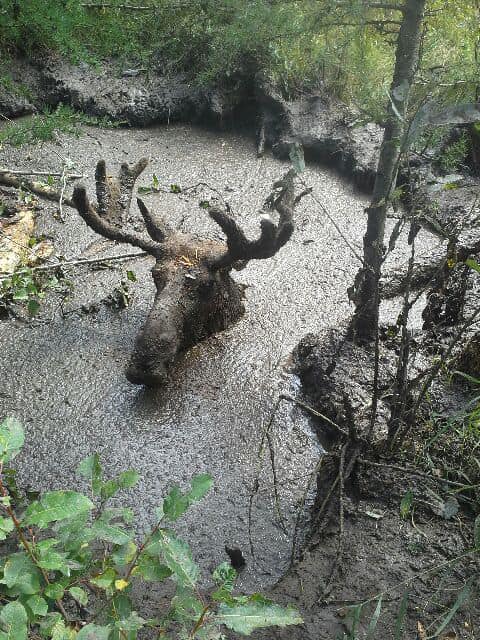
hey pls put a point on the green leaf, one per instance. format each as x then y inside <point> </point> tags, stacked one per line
<point>175,504</point>
<point>54,591</point>
<point>6,527</point>
<point>104,580</point>
<point>128,479</point>
<point>155,181</point>
<point>225,576</point>
<point>256,614</point>
<point>13,619</point>
<point>186,607</point>
<point>406,504</point>
<point>131,276</point>
<point>57,505</point>
<point>21,574</point>
<point>374,621</point>
<point>11,439</point>
<point>110,533</point>
<point>124,554</point>
<point>151,569</point>
<point>201,485</point>
<point>402,613</point>
<point>178,558</point>
<point>297,157</point>
<point>37,605</point>
<point>91,469</point>
<point>94,632</point>
<point>21,294</point>
<point>462,597</point>
<point>79,594</point>
<point>33,307</point>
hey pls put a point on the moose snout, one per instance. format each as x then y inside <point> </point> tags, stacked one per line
<point>152,376</point>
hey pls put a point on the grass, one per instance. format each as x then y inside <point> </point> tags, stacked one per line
<point>46,126</point>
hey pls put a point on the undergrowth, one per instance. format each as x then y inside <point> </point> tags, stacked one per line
<point>45,126</point>
<point>70,563</point>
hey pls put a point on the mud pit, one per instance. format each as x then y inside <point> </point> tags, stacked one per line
<point>63,375</point>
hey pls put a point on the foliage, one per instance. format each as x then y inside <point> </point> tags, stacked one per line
<point>78,561</point>
<point>27,286</point>
<point>45,126</point>
<point>346,46</point>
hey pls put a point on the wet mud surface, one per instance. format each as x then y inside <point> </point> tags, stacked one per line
<point>63,372</point>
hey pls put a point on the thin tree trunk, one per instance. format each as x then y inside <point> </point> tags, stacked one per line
<point>406,61</point>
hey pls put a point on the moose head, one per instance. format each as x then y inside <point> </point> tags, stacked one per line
<point>196,295</point>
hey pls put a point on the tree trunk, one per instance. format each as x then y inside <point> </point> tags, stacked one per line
<point>406,61</point>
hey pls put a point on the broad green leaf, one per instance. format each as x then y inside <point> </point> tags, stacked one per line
<point>11,439</point>
<point>91,469</point>
<point>128,479</point>
<point>37,605</point>
<point>14,619</point>
<point>133,623</point>
<point>131,276</point>
<point>124,554</point>
<point>186,607</point>
<point>110,533</point>
<point>6,527</point>
<point>94,632</point>
<point>151,569</point>
<point>201,485</point>
<point>256,614</point>
<point>57,505</point>
<point>79,594</point>
<point>104,580</point>
<point>178,558</point>
<point>175,504</point>
<point>21,574</point>
<point>54,591</point>
<point>406,504</point>
<point>225,576</point>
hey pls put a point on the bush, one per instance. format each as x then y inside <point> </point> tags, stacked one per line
<point>77,561</point>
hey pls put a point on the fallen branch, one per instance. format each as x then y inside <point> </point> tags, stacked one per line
<point>315,413</point>
<point>39,188</point>
<point>84,261</point>
<point>53,174</point>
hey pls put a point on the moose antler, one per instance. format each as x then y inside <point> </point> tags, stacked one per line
<point>272,237</point>
<point>114,197</point>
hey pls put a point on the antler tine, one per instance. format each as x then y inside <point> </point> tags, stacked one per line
<point>156,228</point>
<point>272,236</point>
<point>102,226</point>
<point>114,195</point>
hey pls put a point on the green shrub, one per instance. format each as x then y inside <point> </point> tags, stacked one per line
<point>77,559</point>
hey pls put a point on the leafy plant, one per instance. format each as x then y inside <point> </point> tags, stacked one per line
<point>46,126</point>
<point>78,560</point>
<point>28,287</point>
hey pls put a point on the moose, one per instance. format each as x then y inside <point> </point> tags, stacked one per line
<point>195,293</point>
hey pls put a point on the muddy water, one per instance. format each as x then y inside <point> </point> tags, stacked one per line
<point>62,374</point>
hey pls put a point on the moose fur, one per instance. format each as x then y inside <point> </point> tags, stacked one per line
<point>196,295</point>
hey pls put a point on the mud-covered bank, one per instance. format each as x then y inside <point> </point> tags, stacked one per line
<point>330,132</point>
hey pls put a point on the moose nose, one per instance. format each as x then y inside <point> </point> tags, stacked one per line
<point>149,378</point>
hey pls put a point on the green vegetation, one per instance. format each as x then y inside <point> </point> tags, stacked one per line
<point>28,287</point>
<point>346,45</point>
<point>46,126</point>
<point>78,561</point>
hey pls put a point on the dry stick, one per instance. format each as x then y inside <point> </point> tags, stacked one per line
<point>256,482</point>
<point>414,472</point>
<point>332,220</point>
<point>38,188</point>
<point>53,174</point>
<point>315,413</point>
<point>275,482</point>
<point>430,378</point>
<point>341,523</point>
<point>301,506</point>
